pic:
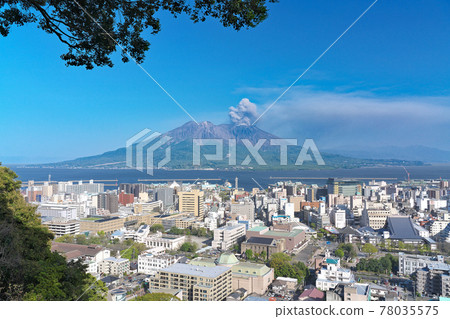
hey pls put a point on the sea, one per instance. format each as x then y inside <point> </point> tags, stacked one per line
<point>247,179</point>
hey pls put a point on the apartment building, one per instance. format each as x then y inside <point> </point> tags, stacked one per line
<point>433,281</point>
<point>198,283</point>
<point>114,266</point>
<point>149,263</point>
<point>58,211</point>
<point>409,264</point>
<point>60,227</point>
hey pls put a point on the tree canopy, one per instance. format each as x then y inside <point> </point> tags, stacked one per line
<point>281,263</point>
<point>92,30</point>
<point>369,249</point>
<point>28,268</point>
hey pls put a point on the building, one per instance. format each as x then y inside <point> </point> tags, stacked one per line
<point>61,227</point>
<point>80,187</point>
<point>134,189</point>
<point>165,195</point>
<point>199,283</point>
<point>168,242</point>
<point>108,201</point>
<point>245,210</point>
<point>253,277</point>
<point>346,187</point>
<point>114,266</point>
<point>151,207</point>
<point>433,281</point>
<point>349,292</point>
<point>191,202</point>
<point>97,224</point>
<point>125,199</point>
<point>331,274</point>
<point>401,228</point>
<point>229,235</point>
<point>409,264</point>
<point>90,255</point>
<point>149,263</point>
<point>350,235</point>
<point>59,211</point>
<point>312,294</point>
<point>437,226</point>
<point>375,214</point>
<point>338,218</point>
<point>292,238</point>
<point>268,245</point>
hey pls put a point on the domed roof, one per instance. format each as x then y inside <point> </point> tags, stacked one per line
<point>227,259</point>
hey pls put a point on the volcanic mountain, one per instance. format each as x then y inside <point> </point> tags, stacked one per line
<point>181,144</point>
<point>207,130</point>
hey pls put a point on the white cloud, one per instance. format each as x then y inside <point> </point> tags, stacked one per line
<point>344,118</point>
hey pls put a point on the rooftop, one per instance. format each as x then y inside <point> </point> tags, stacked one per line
<point>193,270</point>
<point>260,240</point>
<point>258,228</point>
<point>401,227</point>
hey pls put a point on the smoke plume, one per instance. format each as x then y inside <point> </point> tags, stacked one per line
<point>244,113</point>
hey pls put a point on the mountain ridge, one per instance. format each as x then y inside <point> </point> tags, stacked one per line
<point>181,143</point>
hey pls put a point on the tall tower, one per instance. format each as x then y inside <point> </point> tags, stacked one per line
<point>236,183</point>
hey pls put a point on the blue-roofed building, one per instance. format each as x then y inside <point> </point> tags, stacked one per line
<point>331,274</point>
<point>401,228</point>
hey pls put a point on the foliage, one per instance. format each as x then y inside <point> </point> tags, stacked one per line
<point>189,247</point>
<point>263,255</point>
<point>157,228</point>
<point>200,232</point>
<point>133,252</point>
<point>281,263</point>
<point>349,250</point>
<point>157,297</point>
<point>249,254</point>
<point>339,253</point>
<point>369,249</point>
<point>384,265</point>
<point>28,268</point>
<point>92,30</point>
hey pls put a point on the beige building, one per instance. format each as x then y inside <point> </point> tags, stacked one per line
<point>191,202</point>
<point>198,283</point>
<point>375,214</point>
<point>253,277</point>
<point>114,266</point>
<point>96,224</point>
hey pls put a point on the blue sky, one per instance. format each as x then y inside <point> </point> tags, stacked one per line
<point>386,81</point>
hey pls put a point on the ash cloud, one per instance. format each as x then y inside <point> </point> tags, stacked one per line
<point>244,113</point>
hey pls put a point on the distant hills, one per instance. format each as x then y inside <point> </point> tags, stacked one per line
<point>410,153</point>
<point>182,145</point>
